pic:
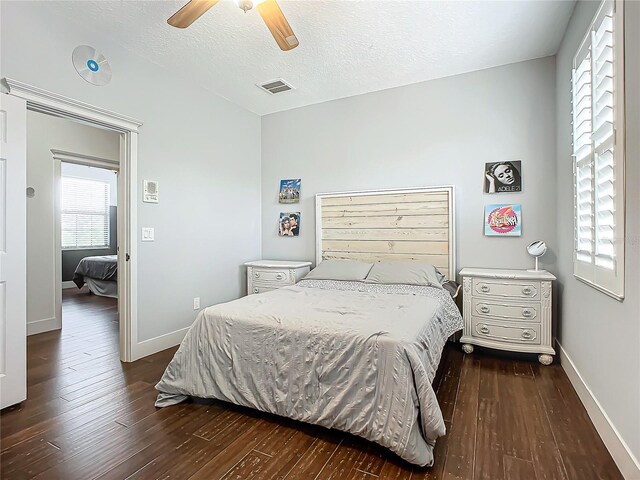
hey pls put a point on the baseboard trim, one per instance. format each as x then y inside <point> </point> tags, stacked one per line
<point>619,450</point>
<point>68,284</point>
<point>157,344</point>
<point>41,326</point>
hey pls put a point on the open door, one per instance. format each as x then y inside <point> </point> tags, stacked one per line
<point>13,250</point>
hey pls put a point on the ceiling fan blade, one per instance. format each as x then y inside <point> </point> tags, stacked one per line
<point>270,12</point>
<point>190,13</point>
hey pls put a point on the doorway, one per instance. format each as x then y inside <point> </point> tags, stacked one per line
<point>71,219</point>
<point>86,253</point>
<point>38,100</point>
<point>16,99</point>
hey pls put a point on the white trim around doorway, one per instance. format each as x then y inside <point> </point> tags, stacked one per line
<point>53,104</point>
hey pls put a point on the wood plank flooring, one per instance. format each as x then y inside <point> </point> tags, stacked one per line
<point>90,416</point>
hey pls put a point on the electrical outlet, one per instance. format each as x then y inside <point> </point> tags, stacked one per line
<point>196,303</point>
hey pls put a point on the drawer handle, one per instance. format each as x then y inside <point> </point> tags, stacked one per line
<point>484,329</point>
<point>255,290</point>
<point>485,309</point>
<point>279,276</point>
<point>484,288</point>
<point>257,274</point>
<point>527,313</point>
<point>527,290</point>
<point>526,335</point>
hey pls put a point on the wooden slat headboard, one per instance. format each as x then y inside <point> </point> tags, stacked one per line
<point>403,225</point>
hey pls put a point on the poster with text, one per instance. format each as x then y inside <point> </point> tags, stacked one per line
<point>503,177</point>
<point>503,220</point>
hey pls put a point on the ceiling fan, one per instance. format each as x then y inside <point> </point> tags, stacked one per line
<point>269,10</point>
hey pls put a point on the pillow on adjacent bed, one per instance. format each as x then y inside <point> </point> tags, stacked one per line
<point>406,273</point>
<point>352,270</point>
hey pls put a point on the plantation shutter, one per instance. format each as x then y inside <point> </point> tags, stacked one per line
<point>583,154</point>
<point>603,142</point>
<point>85,213</point>
<point>598,165</point>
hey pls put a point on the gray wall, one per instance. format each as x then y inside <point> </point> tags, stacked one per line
<point>71,258</point>
<point>600,334</point>
<point>432,133</point>
<point>204,151</point>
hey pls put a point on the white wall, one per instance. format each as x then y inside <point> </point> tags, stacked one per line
<point>204,151</point>
<point>44,133</point>
<point>432,133</point>
<point>600,334</point>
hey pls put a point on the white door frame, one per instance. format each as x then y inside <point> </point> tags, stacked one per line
<point>40,100</point>
<point>60,156</point>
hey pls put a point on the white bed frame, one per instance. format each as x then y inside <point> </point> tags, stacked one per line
<point>375,225</point>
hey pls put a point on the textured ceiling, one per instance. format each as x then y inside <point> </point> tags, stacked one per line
<point>346,47</point>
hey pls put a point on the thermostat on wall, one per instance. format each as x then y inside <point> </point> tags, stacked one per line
<point>150,191</point>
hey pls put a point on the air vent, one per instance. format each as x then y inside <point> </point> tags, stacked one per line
<point>275,86</point>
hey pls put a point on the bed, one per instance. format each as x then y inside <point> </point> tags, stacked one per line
<point>351,355</point>
<point>99,273</point>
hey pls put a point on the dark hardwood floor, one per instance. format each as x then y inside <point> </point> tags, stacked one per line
<point>89,416</point>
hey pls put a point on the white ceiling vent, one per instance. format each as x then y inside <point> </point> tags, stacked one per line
<point>275,86</point>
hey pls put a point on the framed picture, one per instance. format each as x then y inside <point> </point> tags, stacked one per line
<point>503,220</point>
<point>289,191</point>
<point>503,177</point>
<point>289,224</point>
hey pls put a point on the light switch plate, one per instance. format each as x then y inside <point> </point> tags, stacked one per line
<point>148,234</point>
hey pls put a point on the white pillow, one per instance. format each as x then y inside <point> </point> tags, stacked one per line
<point>406,273</point>
<point>352,270</point>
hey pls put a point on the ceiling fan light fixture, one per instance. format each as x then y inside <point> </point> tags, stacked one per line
<point>247,5</point>
<point>267,9</point>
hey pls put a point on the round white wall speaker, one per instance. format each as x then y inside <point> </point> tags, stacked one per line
<point>91,65</point>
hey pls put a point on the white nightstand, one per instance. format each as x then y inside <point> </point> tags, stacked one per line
<point>265,275</point>
<point>508,310</point>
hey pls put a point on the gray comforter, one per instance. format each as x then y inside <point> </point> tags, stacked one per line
<point>103,267</point>
<point>346,355</point>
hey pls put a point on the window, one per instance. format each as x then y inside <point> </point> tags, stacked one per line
<point>598,153</point>
<point>85,213</point>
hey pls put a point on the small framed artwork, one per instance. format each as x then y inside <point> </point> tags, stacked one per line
<point>289,224</point>
<point>503,220</point>
<point>289,191</point>
<point>503,177</point>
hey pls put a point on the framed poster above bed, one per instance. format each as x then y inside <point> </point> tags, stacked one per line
<point>382,225</point>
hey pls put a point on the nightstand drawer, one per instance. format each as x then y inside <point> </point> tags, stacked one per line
<point>261,289</point>
<point>506,332</point>
<point>271,276</point>
<point>506,288</point>
<point>517,311</point>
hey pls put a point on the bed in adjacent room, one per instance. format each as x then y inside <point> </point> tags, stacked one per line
<point>356,344</point>
<point>99,273</point>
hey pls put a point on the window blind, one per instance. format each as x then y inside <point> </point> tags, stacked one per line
<point>85,213</point>
<point>597,108</point>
